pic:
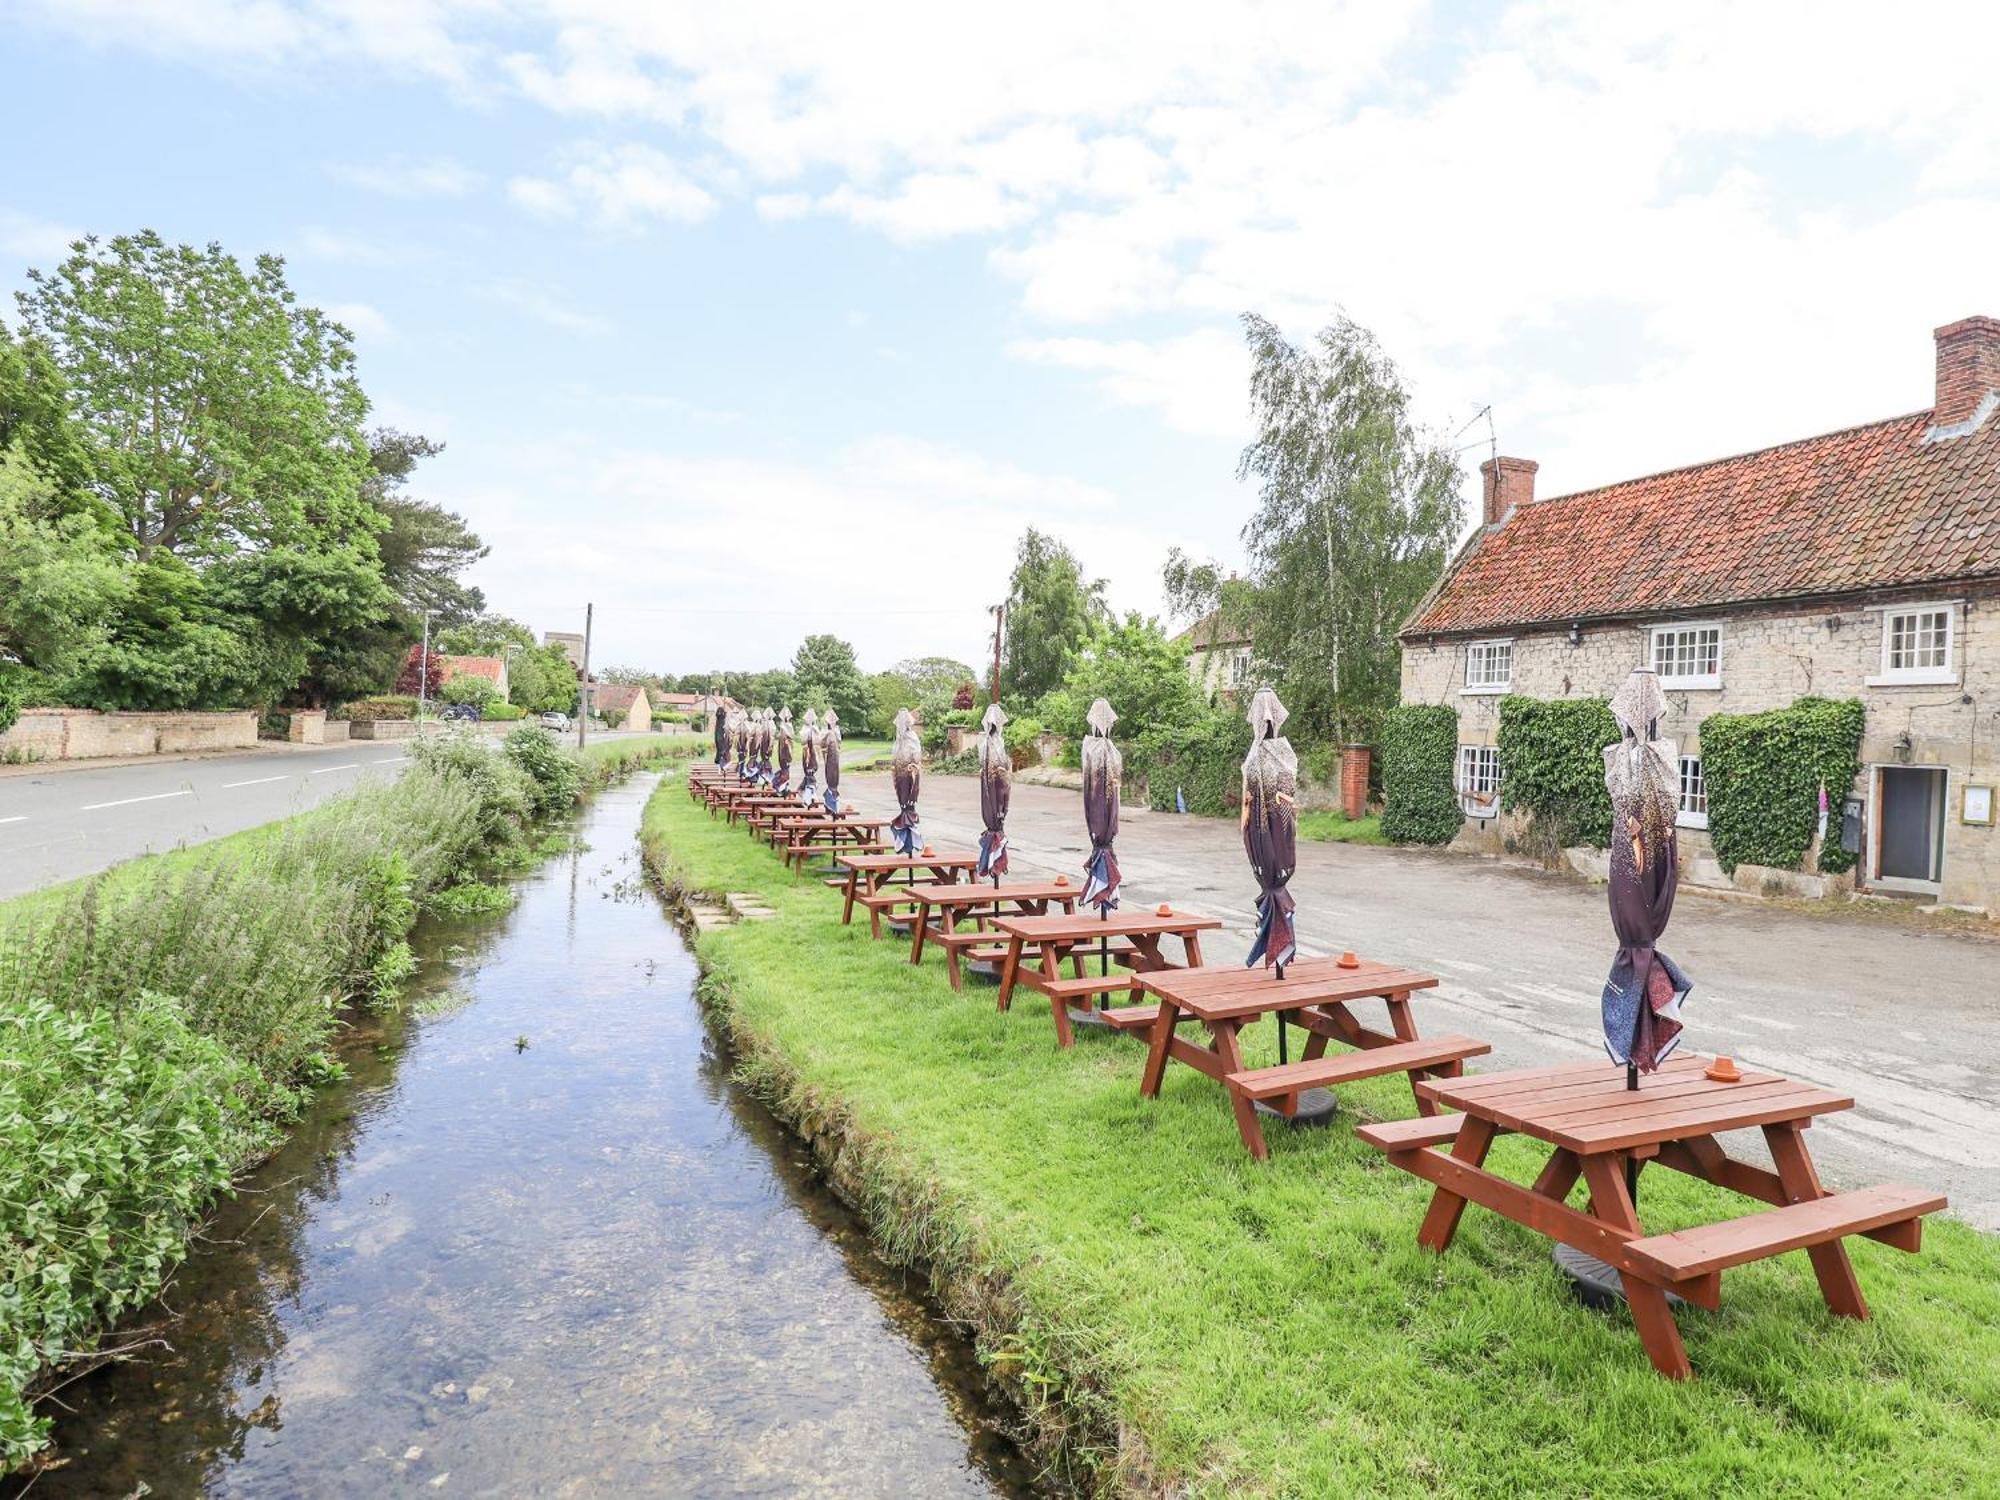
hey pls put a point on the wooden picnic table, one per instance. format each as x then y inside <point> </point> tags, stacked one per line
<point>810,835</point>
<point>746,807</point>
<point>1315,994</point>
<point>1599,1129</point>
<point>1131,938</point>
<point>871,880</point>
<point>941,908</point>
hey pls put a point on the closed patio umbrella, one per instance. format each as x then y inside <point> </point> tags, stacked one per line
<point>767,735</point>
<point>1643,995</point>
<point>739,739</point>
<point>1271,831</point>
<point>829,759</point>
<point>781,780</point>
<point>809,756</point>
<point>1103,770</point>
<point>906,771</point>
<point>996,789</point>
<point>721,735</point>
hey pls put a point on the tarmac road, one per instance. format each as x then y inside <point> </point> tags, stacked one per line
<point>1906,1021</point>
<point>59,824</point>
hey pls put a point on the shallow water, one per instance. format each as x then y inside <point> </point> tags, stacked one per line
<point>539,1245</point>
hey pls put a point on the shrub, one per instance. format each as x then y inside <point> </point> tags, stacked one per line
<point>1023,739</point>
<point>1419,755</point>
<point>392,706</point>
<point>1201,759</point>
<point>466,689</point>
<point>1552,768</point>
<point>504,793</point>
<point>554,776</point>
<point>12,693</point>
<point>1764,771</point>
<point>505,713</point>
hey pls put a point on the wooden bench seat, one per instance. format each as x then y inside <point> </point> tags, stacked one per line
<point>1135,1017</point>
<point>1687,1254</point>
<point>1412,1135</point>
<point>1346,1067</point>
<point>1092,984</point>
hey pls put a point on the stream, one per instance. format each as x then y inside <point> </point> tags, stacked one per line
<point>539,1244</point>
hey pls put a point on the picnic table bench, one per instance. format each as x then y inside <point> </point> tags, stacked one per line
<point>871,883</point>
<point>1601,1131</point>
<point>941,908</point>
<point>823,834</point>
<point>758,801</point>
<point>1315,995</point>
<point>1130,939</point>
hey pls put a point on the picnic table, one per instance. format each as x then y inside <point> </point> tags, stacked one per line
<point>941,908</point>
<point>748,807</point>
<point>871,880</point>
<point>1129,938</point>
<point>821,833</point>
<point>1600,1130</point>
<point>1315,994</point>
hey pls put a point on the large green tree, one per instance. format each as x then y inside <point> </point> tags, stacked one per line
<point>1138,670</point>
<point>1052,614</point>
<point>826,676</point>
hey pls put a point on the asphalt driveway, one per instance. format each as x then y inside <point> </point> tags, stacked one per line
<point>1906,1021</point>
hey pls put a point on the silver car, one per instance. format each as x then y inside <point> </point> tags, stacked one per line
<point>555,719</point>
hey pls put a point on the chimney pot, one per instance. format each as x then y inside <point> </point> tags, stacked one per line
<point>1968,370</point>
<point>1509,482</point>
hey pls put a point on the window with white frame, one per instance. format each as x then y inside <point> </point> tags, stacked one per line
<point>1917,645</point>
<point>1239,667</point>
<point>1694,794</point>
<point>1479,780</point>
<point>1489,666</point>
<point>1688,656</point>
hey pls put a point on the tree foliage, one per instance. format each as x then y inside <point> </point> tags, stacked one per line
<point>827,677</point>
<point>1135,668</point>
<point>1052,614</point>
<point>1419,755</point>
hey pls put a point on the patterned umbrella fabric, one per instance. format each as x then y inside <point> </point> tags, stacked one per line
<point>1643,996</point>
<point>906,770</point>
<point>809,756</point>
<point>781,779</point>
<point>721,735</point>
<point>1103,770</point>
<point>829,759</point>
<point>767,736</point>
<point>1271,830</point>
<point>739,739</point>
<point>996,789</point>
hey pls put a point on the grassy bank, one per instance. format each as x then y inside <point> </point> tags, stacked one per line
<point>1333,826</point>
<point>159,1023</point>
<point>1174,1316</point>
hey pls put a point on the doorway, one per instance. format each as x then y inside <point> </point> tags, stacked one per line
<point>1909,848</point>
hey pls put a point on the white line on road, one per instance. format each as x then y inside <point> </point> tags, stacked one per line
<point>352,765</point>
<point>230,786</point>
<point>20,818</point>
<point>186,791</point>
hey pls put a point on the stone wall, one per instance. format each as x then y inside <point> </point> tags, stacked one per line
<point>1770,657</point>
<point>86,734</point>
<point>385,729</point>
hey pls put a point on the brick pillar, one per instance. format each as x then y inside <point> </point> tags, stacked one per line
<point>1354,780</point>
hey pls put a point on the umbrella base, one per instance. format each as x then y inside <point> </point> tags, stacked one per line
<point>1091,1017</point>
<point>1595,1283</point>
<point>1316,1107</point>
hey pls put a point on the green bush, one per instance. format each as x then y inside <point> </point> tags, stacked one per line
<point>1201,759</point>
<point>390,706</point>
<point>1763,774</point>
<point>502,788</point>
<point>1552,768</point>
<point>468,690</point>
<point>12,693</point>
<point>505,713</point>
<point>1419,762</point>
<point>1023,737</point>
<point>555,777</point>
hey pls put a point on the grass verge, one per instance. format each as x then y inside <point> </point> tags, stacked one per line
<point>1332,826</point>
<point>160,1022</point>
<point>1174,1317</point>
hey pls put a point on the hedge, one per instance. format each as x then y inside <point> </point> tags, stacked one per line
<point>1764,771</point>
<point>1419,754</point>
<point>1552,768</point>
<point>391,706</point>
<point>1202,760</point>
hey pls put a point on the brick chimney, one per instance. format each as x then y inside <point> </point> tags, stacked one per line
<point>1509,482</point>
<point>1968,371</point>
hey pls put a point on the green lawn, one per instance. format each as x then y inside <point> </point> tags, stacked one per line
<point>1335,827</point>
<point>1193,1319</point>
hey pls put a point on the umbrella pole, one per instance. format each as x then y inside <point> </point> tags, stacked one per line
<point>1632,1162</point>
<point>1283,1057</point>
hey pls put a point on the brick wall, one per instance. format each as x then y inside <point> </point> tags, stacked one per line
<point>1769,658</point>
<point>85,734</point>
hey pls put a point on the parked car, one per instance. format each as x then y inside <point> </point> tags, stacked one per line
<point>555,719</point>
<point>466,711</point>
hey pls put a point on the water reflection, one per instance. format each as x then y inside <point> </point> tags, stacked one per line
<point>539,1245</point>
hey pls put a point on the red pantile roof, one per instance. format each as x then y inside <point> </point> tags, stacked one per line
<point>614,697</point>
<point>1869,508</point>
<point>492,668</point>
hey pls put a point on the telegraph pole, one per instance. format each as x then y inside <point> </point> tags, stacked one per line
<point>424,668</point>
<point>999,621</point>
<point>583,686</point>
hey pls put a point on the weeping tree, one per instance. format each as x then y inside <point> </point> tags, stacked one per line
<point>1357,510</point>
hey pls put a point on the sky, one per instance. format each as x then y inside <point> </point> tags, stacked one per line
<point>746,321</point>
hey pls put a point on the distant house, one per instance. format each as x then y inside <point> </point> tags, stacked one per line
<point>1859,564</point>
<point>1219,656</point>
<point>621,705</point>
<point>492,668</point>
<point>681,703</point>
<point>571,643</point>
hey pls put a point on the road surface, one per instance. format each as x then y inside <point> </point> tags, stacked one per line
<point>69,822</point>
<point>1906,1021</point>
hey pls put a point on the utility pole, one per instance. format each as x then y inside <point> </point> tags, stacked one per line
<point>424,667</point>
<point>583,686</point>
<point>999,622</point>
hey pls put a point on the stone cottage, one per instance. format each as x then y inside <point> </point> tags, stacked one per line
<point>1219,656</point>
<point>622,705</point>
<point>1858,564</point>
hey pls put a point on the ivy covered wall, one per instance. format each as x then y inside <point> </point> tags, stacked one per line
<point>1552,769</point>
<point>1419,768</point>
<point>1764,772</point>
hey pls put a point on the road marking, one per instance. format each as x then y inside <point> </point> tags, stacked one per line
<point>230,786</point>
<point>352,765</point>
<point>186,791</point>
<point>21,818</point>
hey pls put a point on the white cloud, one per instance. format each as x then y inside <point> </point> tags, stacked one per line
<point>411,177</point>
<point>617,187</point>
<point>1197,381</point>
<point>545,305</point>
<point>35,239</point>
<point>364,321</point>
<point>356,250</point>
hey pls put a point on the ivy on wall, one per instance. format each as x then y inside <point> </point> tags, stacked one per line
<point>1552,769</point>
<point>1202,759</point>
<point>1419,759</point>
<point>1763,773</point>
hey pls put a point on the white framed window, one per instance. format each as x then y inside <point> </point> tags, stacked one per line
<point>1489,666</point>
<point>1694,794</point>
<point>1918,641</point>
<point>1688,656</point>
<point>1479,780</point>
<point>1239,667</point>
